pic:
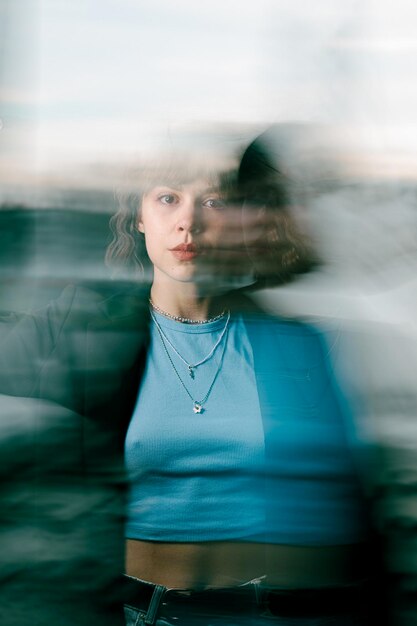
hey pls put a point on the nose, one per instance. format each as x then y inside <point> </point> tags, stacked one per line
<point>189,217</point>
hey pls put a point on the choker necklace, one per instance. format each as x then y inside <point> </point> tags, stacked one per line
<point>198,405</point>
<point>185,320</point>
<point>192,366</point>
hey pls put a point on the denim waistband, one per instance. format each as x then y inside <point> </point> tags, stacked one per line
<point>251,597</point>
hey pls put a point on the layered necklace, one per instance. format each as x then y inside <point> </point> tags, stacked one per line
<point>198,405</point>
<point>185,320</point>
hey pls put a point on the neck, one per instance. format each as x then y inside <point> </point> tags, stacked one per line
<point>186,302</point>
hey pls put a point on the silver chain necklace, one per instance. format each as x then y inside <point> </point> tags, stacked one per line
<point>198,405</point>
<point>185,320</point>
<point>192,366</point>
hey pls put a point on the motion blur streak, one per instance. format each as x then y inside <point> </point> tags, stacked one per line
<point>72,122</point>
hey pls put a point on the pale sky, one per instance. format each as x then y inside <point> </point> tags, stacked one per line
<point>86,82</point>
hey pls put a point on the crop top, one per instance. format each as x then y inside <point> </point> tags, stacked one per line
<point>267,460</point>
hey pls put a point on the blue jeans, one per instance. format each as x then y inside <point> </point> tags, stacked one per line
<point>163,610</point>
<point>135,617</point>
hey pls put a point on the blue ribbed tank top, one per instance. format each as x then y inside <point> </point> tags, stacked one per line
<point>267,460</point>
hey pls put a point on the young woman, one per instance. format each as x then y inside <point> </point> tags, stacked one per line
<point>244,504</point>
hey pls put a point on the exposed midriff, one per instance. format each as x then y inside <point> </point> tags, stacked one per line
<point>226,563</point>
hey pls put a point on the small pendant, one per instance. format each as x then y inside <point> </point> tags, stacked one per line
<point>191,371</point>
<point>198,408</point>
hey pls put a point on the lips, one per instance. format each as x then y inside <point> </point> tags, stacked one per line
<point>185,251</point>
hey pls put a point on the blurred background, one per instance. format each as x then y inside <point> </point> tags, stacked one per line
<point>88,87</point>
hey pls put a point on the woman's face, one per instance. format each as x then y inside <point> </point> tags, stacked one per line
<point>192,233</point>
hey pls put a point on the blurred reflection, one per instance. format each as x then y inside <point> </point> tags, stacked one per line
<point>274,239</point>
<point>363,299</point>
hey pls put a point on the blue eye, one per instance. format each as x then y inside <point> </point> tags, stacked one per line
<point>167,198</point>
<point>214,203</point>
